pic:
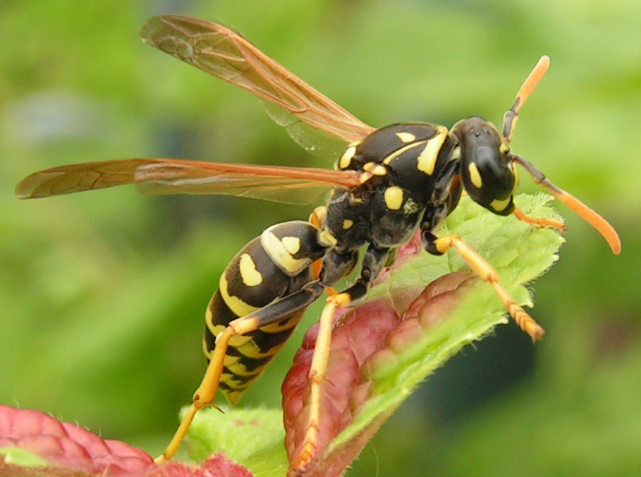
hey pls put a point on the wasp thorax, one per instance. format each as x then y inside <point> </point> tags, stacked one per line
<point>486,165</point>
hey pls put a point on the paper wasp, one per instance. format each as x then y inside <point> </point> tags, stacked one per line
<point>388,183</point>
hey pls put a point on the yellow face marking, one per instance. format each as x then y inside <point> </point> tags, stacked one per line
<point>394,198</point>
<point>347,224</point>
<point>406,137</point>
<point>346,158</point>
<point>326,238</point>
<point>475,175</point>
<point>251,277</point>
<point>499,205</point>
<point>291,244</point>
<point>279,253</point>
<point>235,304</point>
<point>426,160</point>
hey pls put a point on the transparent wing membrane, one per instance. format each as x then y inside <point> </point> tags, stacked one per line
<point>172,176</point>
<point>225,54</point>
<point>277,184</point>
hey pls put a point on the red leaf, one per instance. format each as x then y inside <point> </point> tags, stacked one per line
<point>73,451</point>
<point>68,445</point>
<point>363,342</point>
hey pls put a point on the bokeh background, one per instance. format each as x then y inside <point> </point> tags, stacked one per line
<point>102,294</point>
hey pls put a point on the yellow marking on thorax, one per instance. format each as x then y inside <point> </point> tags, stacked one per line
<point>394,198</point>
<point>375,169</point>
<point>346,158</point>
<point>364,177</point>
<point>235,304</point>
<point>426,160</point>
<point>475,175</point>
<point>347,224</point>
<point>406,137</point>
<point>355,200</point>
<point>248,272</point>
<point>395,154</point>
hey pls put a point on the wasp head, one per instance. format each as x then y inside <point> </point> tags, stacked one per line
<point>486,165</point>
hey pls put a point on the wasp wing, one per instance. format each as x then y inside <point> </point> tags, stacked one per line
<point>314,121</point>
<point>172,176</point>
<point>78,178</point>
<point>295,185</point>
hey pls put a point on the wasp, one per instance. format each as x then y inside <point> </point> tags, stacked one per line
<point>388,184</point>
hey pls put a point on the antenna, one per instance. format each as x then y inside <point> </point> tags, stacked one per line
<point>511,117</point>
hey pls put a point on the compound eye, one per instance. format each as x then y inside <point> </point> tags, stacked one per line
<point>486,156</point>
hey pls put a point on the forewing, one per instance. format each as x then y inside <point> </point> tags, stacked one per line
<point>312,120</point>
<point>276,183</point>
<point>78,178</point>
<point>173,176</point>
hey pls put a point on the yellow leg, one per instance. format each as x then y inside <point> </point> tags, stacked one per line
<point>485,271</point>
<point>179,436</point>
<point>317,218</point>
<point>317,376</point>
<point>206,393</point>
<point>538,221</point>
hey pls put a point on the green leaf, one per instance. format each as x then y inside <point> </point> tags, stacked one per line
<point>518,251</point>
<point>253,438</point>
<point>22,457</point>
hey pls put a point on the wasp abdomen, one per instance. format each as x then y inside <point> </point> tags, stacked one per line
<point>271,266</point>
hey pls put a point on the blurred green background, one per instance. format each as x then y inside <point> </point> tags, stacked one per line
<point>102,295</point>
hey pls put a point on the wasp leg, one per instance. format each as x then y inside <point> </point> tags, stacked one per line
<point>317,218</point>
<point>539,221</point>
<point>206,392</point>
<point>373,263</point>
<point>484,270</point>
<point>316,378</point>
